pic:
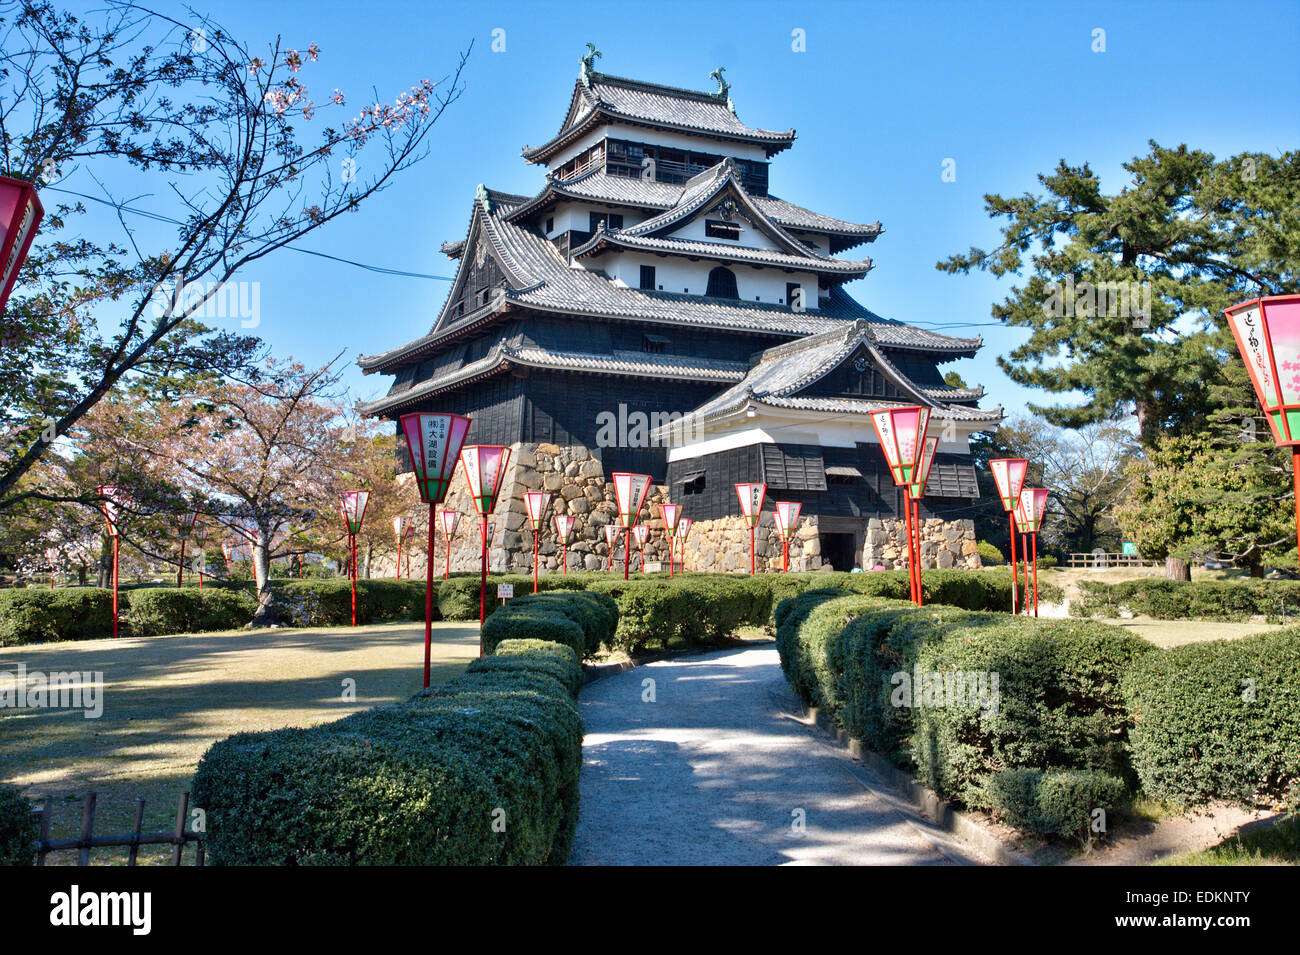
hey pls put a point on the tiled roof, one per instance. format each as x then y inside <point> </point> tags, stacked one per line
<point>623,363</point>
<point>542,281</point>
<point>820,264</point>
<point>596,186</point>
<point>782,372</point>
<point>614,98</point>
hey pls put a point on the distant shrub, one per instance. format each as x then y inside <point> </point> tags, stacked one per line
<point>38,615</point>
<point>989,554</point>
<point>18,828</point>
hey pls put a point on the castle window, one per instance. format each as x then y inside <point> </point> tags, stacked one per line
<point>717,229</point>
<point>693,483</point>
<point>550,226</point>
<point>648,277</point>
<point>722,284</point>
<point>654,344</point>
<point>612,220</point>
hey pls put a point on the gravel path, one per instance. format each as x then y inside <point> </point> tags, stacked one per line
<point>715,771</point>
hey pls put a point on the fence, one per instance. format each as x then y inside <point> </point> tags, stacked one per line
<point>1110,559</point>
<point>177,839</point>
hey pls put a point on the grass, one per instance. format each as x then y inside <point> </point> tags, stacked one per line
<point>167,699</point>
<point>1265,845</point>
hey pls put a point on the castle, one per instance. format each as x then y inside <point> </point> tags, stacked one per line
<point>655,308</point>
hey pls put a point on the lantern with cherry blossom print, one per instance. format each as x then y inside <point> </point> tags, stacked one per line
<point>433,442</point>
<point>536,502</point>
<point>401,530</point>
<point>564,531</point>
<point>112,506</point>
<point>631,491</point>
<point>751,505</point>
<point>1267,331</point>
<point>485,469</point>
<point>1009,475</point>
<point>916,489</point>
<point>642,533</point>
<point>1029,518</point>
<point>448,519</point>
<point>682,532</point>
<point>901,432</point>
<point>611,541</point>
<point>20,216</point>
<point>352,505</point>
<point>670,513</point>
<point>787,521</point>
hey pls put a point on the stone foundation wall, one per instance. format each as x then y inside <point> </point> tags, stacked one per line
<point>579,486</point>
<point>944,544</point>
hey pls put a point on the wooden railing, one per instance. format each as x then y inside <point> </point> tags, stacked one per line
<point>177,838</point>
<point>1109,560</point>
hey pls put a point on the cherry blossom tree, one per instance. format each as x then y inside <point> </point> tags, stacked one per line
<point>189,114</point>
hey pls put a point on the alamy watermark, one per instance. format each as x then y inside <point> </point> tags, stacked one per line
<point>211,300</point>
<point>639,429</point>
<point>1100,300</point>
<point>967,689</point>
<point>25,689</point>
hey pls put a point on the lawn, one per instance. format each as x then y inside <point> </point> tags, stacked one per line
<point>1260,845</point>
<point>166,699</point>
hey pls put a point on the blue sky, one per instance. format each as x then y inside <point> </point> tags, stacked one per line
<point>884,93</point>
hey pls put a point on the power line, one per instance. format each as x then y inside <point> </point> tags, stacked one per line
<point>156,217</point>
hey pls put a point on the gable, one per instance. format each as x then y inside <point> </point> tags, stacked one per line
<point>857,376</point>
<point>716,218</point>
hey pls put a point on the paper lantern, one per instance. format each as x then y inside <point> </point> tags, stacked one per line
<point>1267,331</point>
<point>1030,509</point>
<point>751,501</point>
<point>787,518</point>
<point>536,502</point>
<point>902,434</point>
<point>433,442</point>
<point>485,469</point>
<point>631,491</point>
<point>1009,475</point>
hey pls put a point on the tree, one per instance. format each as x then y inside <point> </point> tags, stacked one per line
<point>1125,292</point>
<point>1086,472</point>
<point>263,459</point>
<point>186,110</point>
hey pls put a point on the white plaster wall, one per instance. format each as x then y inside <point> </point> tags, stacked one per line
<point>638,134</point>
<point>677,274</point>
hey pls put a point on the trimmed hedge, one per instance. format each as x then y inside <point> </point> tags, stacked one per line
<point>1219,720</point>
<point>1057,802</point>
<point>158,611</point>
<point>18,828</point>
<point>1060,702</point>
<point>327,602</point>
<point>579,620</point>
<point>38,615</point>
<point>481,770</point>
<point>1164,599</point>
<point>1057,705</point>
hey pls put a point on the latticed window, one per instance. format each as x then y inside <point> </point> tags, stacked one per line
<point>722,283</point>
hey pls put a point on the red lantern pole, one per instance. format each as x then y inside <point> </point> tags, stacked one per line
<point>916,526</point>
<point>482,580</point>
<point>352,550</point>
<point>433,442</point>
<point>1035,575</point>
<point>428,599</point>
<point>115,540</point>
<point>534,560</point>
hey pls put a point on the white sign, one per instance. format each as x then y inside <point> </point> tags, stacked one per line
<point>505,591</point>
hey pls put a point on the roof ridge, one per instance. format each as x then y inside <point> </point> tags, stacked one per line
<point>628,82</point>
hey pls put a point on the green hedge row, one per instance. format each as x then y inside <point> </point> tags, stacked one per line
<point>580,620</point>
<point>918,686</point>
<point>703,609</point>
<point>481,770</point>
<point>18,829</point>
<point>1164,599</point>
<point>1219,720</point>
<point>35,615</point>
